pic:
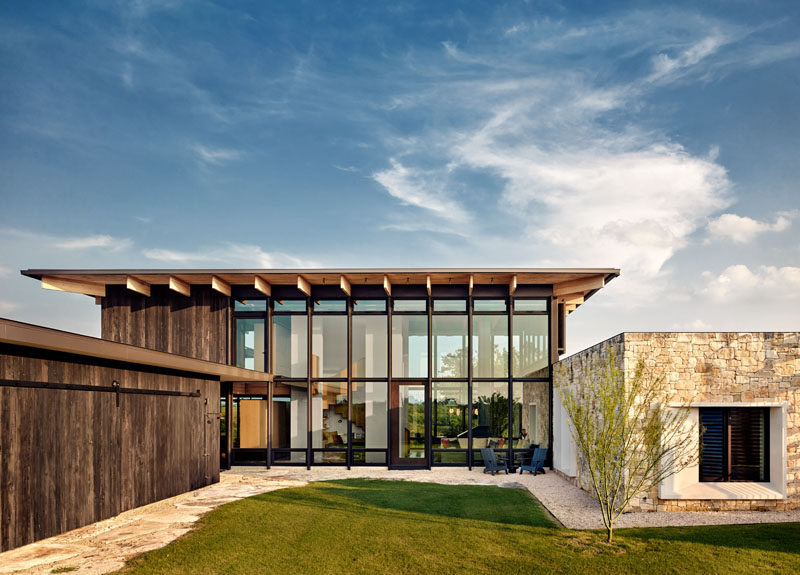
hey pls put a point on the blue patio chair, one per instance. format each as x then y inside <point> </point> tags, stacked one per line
<point>536,463</point>
<point>491,462</point>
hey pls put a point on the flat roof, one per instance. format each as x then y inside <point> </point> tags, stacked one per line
<point>29,335</point>
<point>577,284</point>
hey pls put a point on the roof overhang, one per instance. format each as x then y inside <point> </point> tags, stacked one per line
<point>28,335</point>
<point>571,286</point>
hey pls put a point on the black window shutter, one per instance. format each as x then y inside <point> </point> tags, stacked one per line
<point>712,453</point>
<point>748,444</point>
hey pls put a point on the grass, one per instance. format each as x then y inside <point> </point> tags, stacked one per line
<point>371,526</point>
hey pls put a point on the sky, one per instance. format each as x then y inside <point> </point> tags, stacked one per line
<point>659,138</point>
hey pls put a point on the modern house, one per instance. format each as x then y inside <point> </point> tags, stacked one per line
<point>198,370</point>
<point>397,367</point>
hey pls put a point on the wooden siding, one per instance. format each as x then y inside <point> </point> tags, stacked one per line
<point>195,326</point>
<point>69,458</point>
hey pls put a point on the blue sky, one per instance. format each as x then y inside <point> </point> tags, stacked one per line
<point>663,140</point>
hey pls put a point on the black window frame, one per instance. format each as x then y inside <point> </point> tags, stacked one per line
<point>727,473</point>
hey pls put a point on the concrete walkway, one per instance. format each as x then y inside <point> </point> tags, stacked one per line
<point>105,546</point>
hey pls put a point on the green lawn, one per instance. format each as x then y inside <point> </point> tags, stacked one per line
<point>370,526</point>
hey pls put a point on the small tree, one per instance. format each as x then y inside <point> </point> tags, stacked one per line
<point>627,440</point>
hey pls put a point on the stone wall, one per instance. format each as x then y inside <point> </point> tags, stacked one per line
<point>750,368</point>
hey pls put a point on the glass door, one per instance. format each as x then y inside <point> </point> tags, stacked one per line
<point>409,447</point>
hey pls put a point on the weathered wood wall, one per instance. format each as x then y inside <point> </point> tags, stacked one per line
<point>69,458</point>
<point>195,326</point>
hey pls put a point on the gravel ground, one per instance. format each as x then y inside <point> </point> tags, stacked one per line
<point>105,546</point>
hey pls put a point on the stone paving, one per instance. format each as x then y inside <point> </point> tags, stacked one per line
<point>104,547</point>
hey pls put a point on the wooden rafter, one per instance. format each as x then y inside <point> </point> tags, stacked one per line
<point>387,285</point>
<point>471,283</point>
<point>137,285</point>
<point>220,285</point>
<point>180,286</point>
<point>73,286</point>
<point>576,298</point>
<point>583,285</point>
<point>344,283</point>
<point>512,285</point>
<point>262,285</point>
<point>428,284</point>
<point>303,285</point>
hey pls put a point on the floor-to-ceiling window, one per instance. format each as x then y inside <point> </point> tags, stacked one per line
<point>450,386</point>
<point>369,387</point>
<point>530,408</point>
<point>289,360</point>
<point>329,376</point>
<point>489,411</point>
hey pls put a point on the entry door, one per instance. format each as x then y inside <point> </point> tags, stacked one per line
<point>409,439</point>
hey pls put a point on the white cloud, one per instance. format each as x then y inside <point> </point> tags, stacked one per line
<point>695,325</point>
<point>666,67</point>
<point>97,241</point>
<point>516,29</point>
<point>127,75</point>
<point>422,189</point>
<point>8,306</point>
<point>229,254</point>
<point>740,283</point>
<point>350,169</point>
<point>743,230</point>
<point>215,156</point>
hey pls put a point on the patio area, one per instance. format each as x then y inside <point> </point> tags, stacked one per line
<point>105,546</point>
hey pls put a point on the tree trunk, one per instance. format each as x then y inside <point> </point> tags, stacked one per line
<point>610,531</point>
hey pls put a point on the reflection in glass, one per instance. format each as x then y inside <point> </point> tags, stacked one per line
<point>339,457</point>
<point>450,415</point>
<point>330,305</point>
<point>450,346</point>
<point>366,305</point>
<point>410,346</point>
<point>450,457</point>
<point>409,305</point>
<point>329,415</point>
<point>369,457</point>
<point>250,343</point>
<point>530,305</point>
<point>329,346</point>
<point>490,305</point>
<point>411,421</point>
<point>489,414</point>
<point>369,346</point>
<point>530,410</point>
<point>531,346</point>
<point>490,345</point>
<point>250,305</point>
<point>450,305</point>
<point>290,418</point>
<point>290,345</point>
<point>369,414</point>
<point>296,305</point>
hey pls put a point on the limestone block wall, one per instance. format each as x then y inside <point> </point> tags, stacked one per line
<point>717,368</point>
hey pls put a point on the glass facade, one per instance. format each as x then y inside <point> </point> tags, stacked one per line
<point>250,339</point>
<point>370,346</point>
<point>377,381</point>
<point>290,345</point>
<point>370,412</point>
<point>410,346</point>
<point>449,346</point>
<point>531,346</point>
<point>450,414</point>
<point>329,346</point>
<point>490,345</point>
